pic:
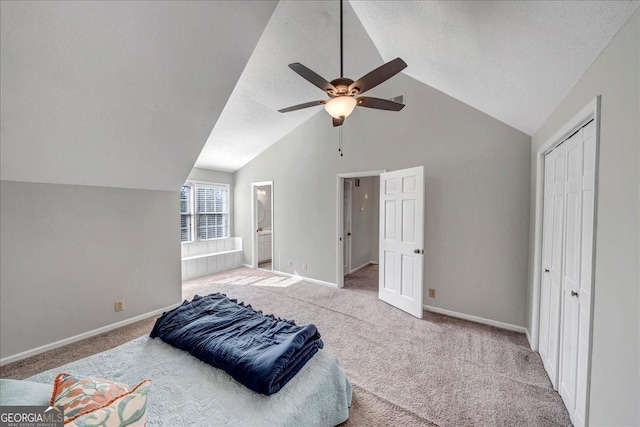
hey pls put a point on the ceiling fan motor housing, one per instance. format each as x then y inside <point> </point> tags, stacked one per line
<point>342,87</point>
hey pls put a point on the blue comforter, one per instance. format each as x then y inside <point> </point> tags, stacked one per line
<point>260,351</point>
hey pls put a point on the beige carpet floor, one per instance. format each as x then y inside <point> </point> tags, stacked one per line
<point>405,371</point>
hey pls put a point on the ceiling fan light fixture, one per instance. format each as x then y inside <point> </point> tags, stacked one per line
<point>342,91</point>
<point>340,106</point>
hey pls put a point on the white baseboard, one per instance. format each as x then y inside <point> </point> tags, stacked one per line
<point>477,319</point>
<point>247,265</point>
<point>363,266</point>
<point>360,267</point>
<point>306,279</point>
<point>84,335</point>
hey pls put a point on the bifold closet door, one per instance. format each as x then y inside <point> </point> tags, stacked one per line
<point>577,283</point>
<point>567,262</point>
<point>552,257</point>
<point>571,277</point>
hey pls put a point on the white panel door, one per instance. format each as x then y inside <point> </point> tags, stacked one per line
<point>555,164</point>
<point>567,260</point>
<point>547,239</point>
<point>571,271</point>
<point>402,239</point>
<point>579,412</point>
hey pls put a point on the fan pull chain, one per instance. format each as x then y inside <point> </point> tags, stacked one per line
<point>340,142</point>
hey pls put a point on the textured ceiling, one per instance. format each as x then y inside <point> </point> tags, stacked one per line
<point>117,94</point>
<point>124,94</point>
<point>514,60</point>
<point>299,31</point>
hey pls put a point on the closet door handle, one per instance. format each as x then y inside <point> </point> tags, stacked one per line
<point>546,270</point>
<point>574,294</point>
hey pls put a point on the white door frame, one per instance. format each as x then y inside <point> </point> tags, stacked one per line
<point>589,112</point>
<point>346,241</point>
<point>254,223</point>
<point>340,218</point>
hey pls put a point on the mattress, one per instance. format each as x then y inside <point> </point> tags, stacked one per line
<point>186,391</point>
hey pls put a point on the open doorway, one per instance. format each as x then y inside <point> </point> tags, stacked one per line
<point>393,234</point>
<point>358,229</point>
<point>262,222</point>
<point>346,226</point>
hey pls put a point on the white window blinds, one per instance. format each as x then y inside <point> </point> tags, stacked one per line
<point>212,210</point>
<point>186,214</point>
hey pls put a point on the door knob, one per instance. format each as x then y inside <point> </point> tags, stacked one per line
<point>574,294</point>
<point>416,251</point>
<point>546,270</point>
<point>348,234</point>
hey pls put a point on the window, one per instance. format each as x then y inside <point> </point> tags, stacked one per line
<point>204,211</point>
<point>186,214</point>
<point>212,211</point>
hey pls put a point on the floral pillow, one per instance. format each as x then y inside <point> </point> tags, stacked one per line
<point>83,396</point>
<point>127,410</point>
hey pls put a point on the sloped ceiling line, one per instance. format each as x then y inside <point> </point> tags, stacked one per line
<point>513,60</point>
<point>117,94</point>
<point>125,94</point>
<point>299,31</point>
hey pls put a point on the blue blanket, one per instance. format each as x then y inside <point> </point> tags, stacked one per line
<point>260,351</point>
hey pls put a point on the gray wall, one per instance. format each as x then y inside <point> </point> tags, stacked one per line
<point>615,370</point>
<point>105,96</point>
<point>477,195</point>
<point>68,252</point>
<point>118,94</point>
<point>364,223</point>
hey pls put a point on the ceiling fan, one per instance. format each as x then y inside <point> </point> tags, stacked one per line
<point>344,93</point>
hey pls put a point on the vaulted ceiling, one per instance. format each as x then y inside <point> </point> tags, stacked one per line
<point>299,31</point>
<point>117,94</point>
<point>513,60</point>
<point>125,94</point>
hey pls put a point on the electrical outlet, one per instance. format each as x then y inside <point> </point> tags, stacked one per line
<point>432,293</point>
<point>305,267</point>
<point>290,263</point>
<point>118,305</point>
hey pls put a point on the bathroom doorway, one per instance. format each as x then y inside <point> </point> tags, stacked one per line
<point>262,221</point>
